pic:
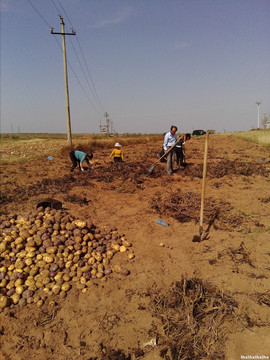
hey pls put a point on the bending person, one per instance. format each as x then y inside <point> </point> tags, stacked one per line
<point>78,157</point>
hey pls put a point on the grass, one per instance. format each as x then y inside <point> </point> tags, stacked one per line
<point>260,136</point>
<point>14,160</point>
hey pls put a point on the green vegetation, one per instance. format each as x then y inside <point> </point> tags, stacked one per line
<point>258,136</point>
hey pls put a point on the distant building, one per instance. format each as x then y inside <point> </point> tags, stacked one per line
<point>268,125</point>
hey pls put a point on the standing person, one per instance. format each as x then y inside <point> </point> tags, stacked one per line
<point>117,153</point>
<point>78,157</point>
<point>181,152</point>
<point>169,140</point>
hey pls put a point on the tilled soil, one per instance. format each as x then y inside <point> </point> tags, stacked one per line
<point>182,299</point>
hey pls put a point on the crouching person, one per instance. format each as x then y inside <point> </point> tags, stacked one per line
<point>78,157</point>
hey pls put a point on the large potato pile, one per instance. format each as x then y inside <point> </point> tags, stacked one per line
<point>49,251</point>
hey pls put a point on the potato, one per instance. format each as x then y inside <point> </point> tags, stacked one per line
<point>39,303</point>
<point>3,247</point>
<point>19,264</point>
<point>80,224</point>
<point>43,252</point>
<point>83,280</point>
<point>15,298</point>
<point>30,254</point>
<point>4,301</point>
<point>126,243</point>
<point>65,286</point>
<point>20,289</point>
<point>105,261</point>
<point>51,250</point>
<point>56,289</point>
<point>131,256</point>
<point>66,277</point>
<point>122,249</point>
<point>116,247</point>
<point>28,261</point>
<point>48,258</point>
<point>125,272</point>
<point>18,282</point>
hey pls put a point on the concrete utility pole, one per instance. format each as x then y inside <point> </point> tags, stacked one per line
<point>258,122</point>
<point>66,75</point>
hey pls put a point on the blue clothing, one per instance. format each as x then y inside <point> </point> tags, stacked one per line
<point>169,140</point>
<point>80,156</point>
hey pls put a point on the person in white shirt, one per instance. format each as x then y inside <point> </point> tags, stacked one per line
<point>169,140</point>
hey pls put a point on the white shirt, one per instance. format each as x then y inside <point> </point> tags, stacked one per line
<point>169,140</point>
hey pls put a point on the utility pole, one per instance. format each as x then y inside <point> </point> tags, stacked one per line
<point>106,115</point>
<point>258,122</point>
<point>66,75</point>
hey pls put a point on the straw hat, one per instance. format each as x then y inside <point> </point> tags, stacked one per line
<point>117,145</point>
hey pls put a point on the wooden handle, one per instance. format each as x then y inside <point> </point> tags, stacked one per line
<point>166,153</point>
<point>203,180</point>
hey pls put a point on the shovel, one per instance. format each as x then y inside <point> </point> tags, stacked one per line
<point>166,153</point>
<point>202,235</point>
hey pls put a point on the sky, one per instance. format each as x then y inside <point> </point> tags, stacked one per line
<point>150,64</point>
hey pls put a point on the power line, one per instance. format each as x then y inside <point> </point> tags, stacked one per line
<point>39,13</point>
<point>89,75</point>
<point>92,82</point>
<point>77,77</point>
<point>56,7</point>
<point>66,14</point>
<point>83,72</point>
<point>61,51</point>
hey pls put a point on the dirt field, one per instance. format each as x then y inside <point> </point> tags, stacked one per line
<point>190,300</point>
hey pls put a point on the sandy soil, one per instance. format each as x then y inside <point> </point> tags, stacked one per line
<point>116,316</point>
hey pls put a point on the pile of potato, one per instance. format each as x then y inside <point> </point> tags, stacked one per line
<point>49,251</point>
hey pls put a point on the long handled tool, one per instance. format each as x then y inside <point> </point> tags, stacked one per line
<point>203,235</point>
<point>166,153</point>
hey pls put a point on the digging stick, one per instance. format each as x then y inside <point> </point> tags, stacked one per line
<point>203,183</point>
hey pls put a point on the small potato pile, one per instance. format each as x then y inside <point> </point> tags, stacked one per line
<point>49,251</point>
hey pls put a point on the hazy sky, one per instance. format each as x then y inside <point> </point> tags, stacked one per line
<point>198,64</point>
